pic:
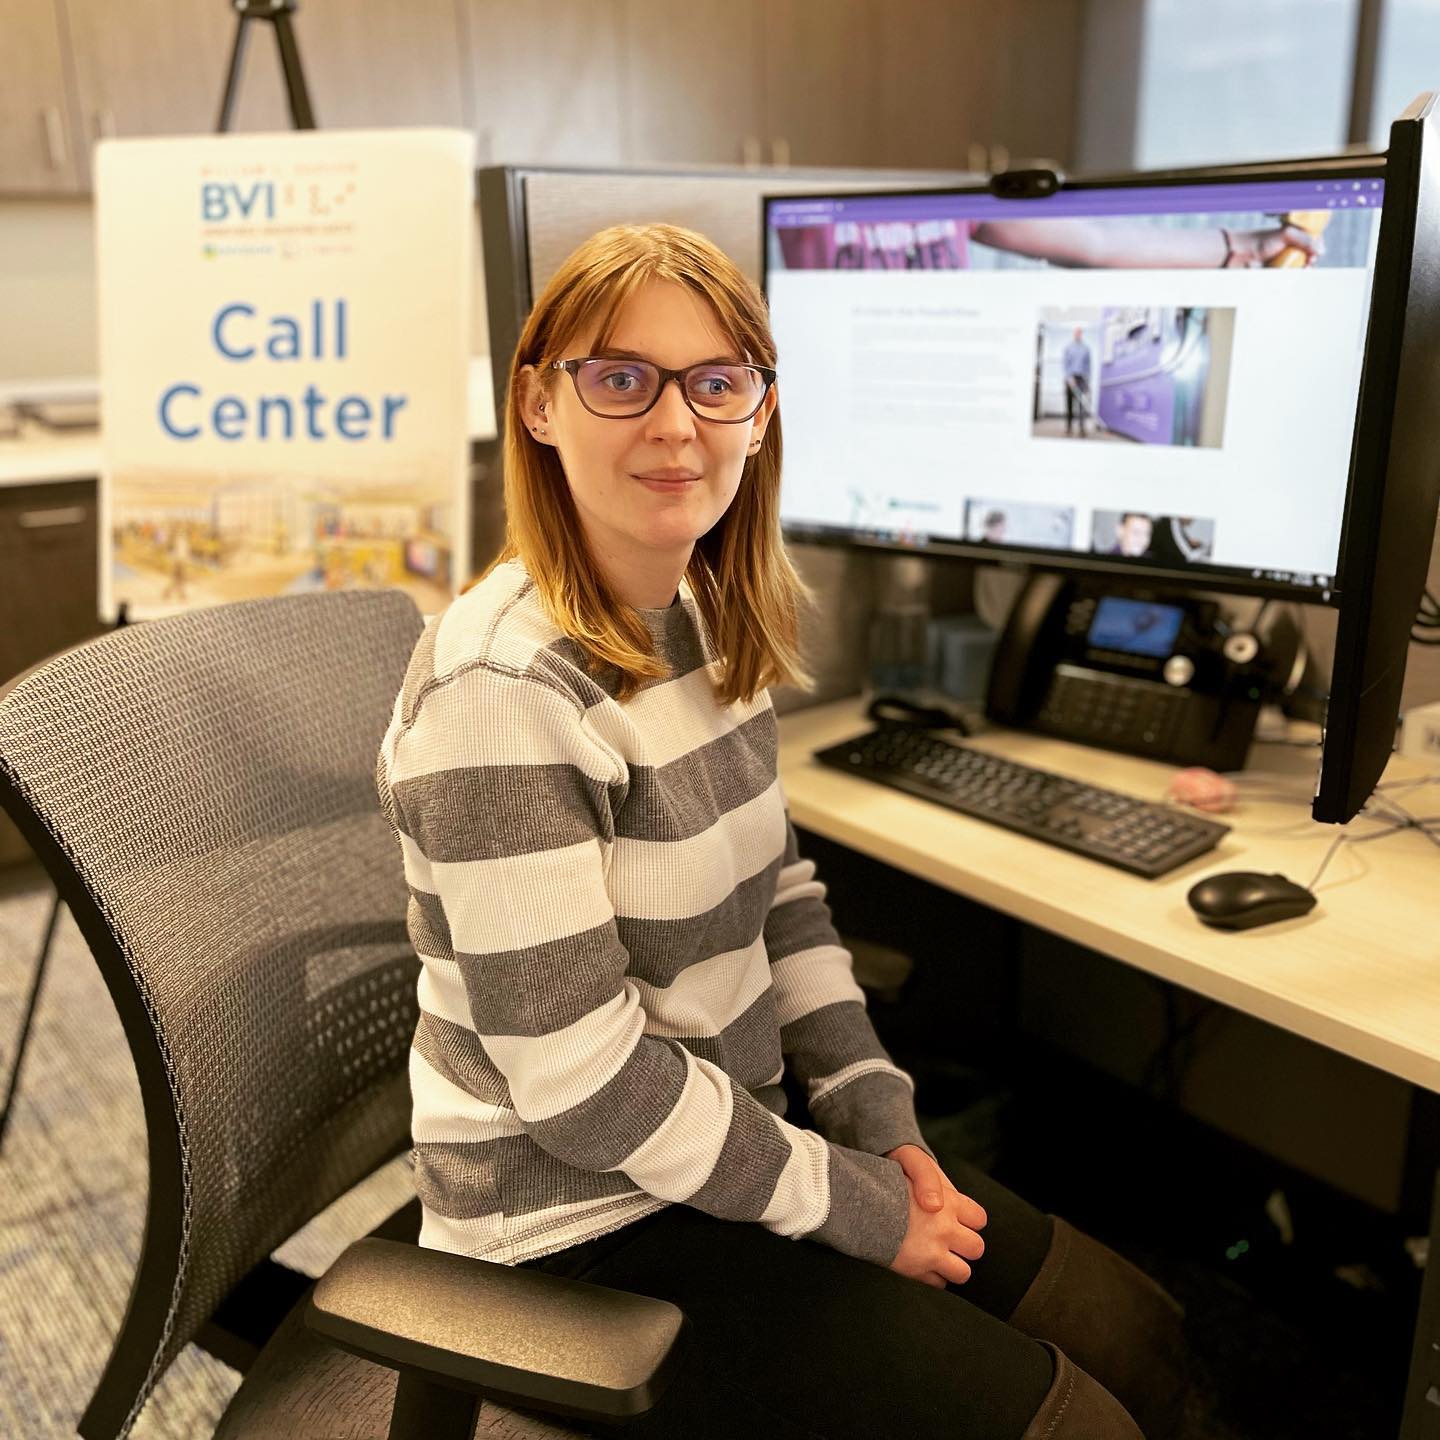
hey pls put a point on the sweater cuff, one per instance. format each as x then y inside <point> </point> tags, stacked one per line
<point>874,1113</point>
<point>869,1206</point>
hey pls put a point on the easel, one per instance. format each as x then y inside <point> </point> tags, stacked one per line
<point>302,117</point>
<point>278,13</point>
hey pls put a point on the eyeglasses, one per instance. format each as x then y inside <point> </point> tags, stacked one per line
<point>618,389</point>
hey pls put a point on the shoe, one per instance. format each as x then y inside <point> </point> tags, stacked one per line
<point>1115,1323</point>
<point>1076,1407</point>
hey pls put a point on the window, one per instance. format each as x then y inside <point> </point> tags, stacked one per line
<point>1253,79</point>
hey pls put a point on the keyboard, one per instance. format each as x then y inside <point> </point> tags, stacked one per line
<point>1105,825</point>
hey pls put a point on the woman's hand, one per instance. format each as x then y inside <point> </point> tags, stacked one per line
<point>942,1233</point>
<point>1250,249</point>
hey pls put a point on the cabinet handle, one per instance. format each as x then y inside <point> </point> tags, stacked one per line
<point>49,519</point>
<point>54,136</point>
<point>750,153</point>
<point>780,153</point>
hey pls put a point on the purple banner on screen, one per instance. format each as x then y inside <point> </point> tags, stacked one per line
<point>1139,200</point>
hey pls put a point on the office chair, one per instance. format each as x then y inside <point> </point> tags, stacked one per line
<point>201,790</point>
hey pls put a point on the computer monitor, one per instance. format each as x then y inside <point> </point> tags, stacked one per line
<point>1395,477</point>
<point>1153,376</point>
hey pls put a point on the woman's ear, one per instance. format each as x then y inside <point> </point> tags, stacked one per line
<point>761,421</point>
<point>533,406</point>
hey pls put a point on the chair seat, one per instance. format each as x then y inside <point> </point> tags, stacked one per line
<point>305,1389</point>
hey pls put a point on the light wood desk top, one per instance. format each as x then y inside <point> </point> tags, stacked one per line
<point>1360,973</point>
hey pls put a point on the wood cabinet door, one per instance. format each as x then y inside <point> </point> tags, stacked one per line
<point>821,89</point>
<point>38,154</point>
<point>936,80</point>
<point>952,73</point>
<point>376,63</point>
<point>693,81</point>
<point>157,67</point>
<point>48,555</point>
<point>545,82</point>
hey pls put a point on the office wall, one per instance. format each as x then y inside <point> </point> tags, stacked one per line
<point>47,289</point>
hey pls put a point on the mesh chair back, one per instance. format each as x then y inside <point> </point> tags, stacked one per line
<point>202,789</point>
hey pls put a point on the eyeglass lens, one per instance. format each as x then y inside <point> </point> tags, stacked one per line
<point>626,387</point>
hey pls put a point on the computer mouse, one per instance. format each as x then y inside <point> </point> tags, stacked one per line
<point>1241,899</point>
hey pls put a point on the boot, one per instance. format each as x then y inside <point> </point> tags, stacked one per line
<point>1076,1407</point>
<point>1115,1323</point>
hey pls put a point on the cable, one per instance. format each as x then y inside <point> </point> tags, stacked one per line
<point>1409,822</point>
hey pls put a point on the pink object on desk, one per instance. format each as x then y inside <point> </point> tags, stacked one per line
<point>1203,790</point>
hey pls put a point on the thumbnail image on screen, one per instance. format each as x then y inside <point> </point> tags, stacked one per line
<point>1019,522</point>
<point>1173,540</point>
<point>1152,374</point>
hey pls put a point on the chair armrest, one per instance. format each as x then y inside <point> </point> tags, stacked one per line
<point>519,1337</point>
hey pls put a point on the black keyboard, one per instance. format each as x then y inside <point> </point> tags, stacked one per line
<point>1105,825</point>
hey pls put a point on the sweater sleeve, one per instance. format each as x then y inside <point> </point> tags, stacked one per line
<point>857,1094</point>
<point>504,801</point>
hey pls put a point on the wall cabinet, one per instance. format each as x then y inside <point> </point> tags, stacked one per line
<point>49,601</point>
<point>822,100</point>
<point>153,67</point>
<point>38,151</point>
<point>882,83</point>
<point>48,544</point>
<point>692,82</point>
<point>544,84</point>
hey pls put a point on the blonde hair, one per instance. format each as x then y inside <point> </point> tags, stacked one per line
<point>748,593</point>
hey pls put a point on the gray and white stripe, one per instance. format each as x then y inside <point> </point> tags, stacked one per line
<point>621,948</point>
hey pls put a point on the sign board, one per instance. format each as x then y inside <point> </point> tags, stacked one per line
<point>284,357</point>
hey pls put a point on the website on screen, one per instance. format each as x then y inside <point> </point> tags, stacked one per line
<point>1167,374</point>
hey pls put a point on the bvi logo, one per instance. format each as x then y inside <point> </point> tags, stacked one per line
<point>220,202</point>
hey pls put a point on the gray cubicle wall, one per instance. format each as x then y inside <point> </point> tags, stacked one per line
<point>531,218</point>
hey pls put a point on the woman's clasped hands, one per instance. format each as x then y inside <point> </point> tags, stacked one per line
<point>942,1236</point>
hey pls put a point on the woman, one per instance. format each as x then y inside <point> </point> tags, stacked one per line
<point>623,950</point>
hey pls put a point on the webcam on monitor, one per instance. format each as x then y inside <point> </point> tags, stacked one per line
<point>1025,184</point>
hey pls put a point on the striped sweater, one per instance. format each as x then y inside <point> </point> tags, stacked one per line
<point>621,951</point>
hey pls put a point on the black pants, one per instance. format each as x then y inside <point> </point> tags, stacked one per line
<point>1077,401</point>
<point>792,1340</point>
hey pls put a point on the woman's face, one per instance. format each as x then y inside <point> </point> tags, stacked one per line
<point>648,487</point>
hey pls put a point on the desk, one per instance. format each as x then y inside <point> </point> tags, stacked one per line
<point>1360,973</point>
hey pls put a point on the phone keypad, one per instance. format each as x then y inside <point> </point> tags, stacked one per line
<point>1135,714</point>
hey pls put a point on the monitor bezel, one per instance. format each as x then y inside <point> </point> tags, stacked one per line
<point>1367,164</point>
<point>1394,486</point>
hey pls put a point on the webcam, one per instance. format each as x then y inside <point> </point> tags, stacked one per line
<point>1025,184</point>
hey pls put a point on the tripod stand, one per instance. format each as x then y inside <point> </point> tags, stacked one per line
<point>278,13</point>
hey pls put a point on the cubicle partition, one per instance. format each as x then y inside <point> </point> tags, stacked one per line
<point>531,218</point>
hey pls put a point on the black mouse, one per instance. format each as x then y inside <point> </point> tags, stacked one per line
<point>1240,899</point>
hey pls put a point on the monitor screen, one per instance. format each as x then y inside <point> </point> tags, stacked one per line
<point>1148,376</point>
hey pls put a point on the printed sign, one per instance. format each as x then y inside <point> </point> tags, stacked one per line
<point>284,351</point>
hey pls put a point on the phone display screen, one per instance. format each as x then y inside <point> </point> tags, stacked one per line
<point>1138,627</point>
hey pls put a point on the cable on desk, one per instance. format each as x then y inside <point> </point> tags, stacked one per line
<point>1409,822</point>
